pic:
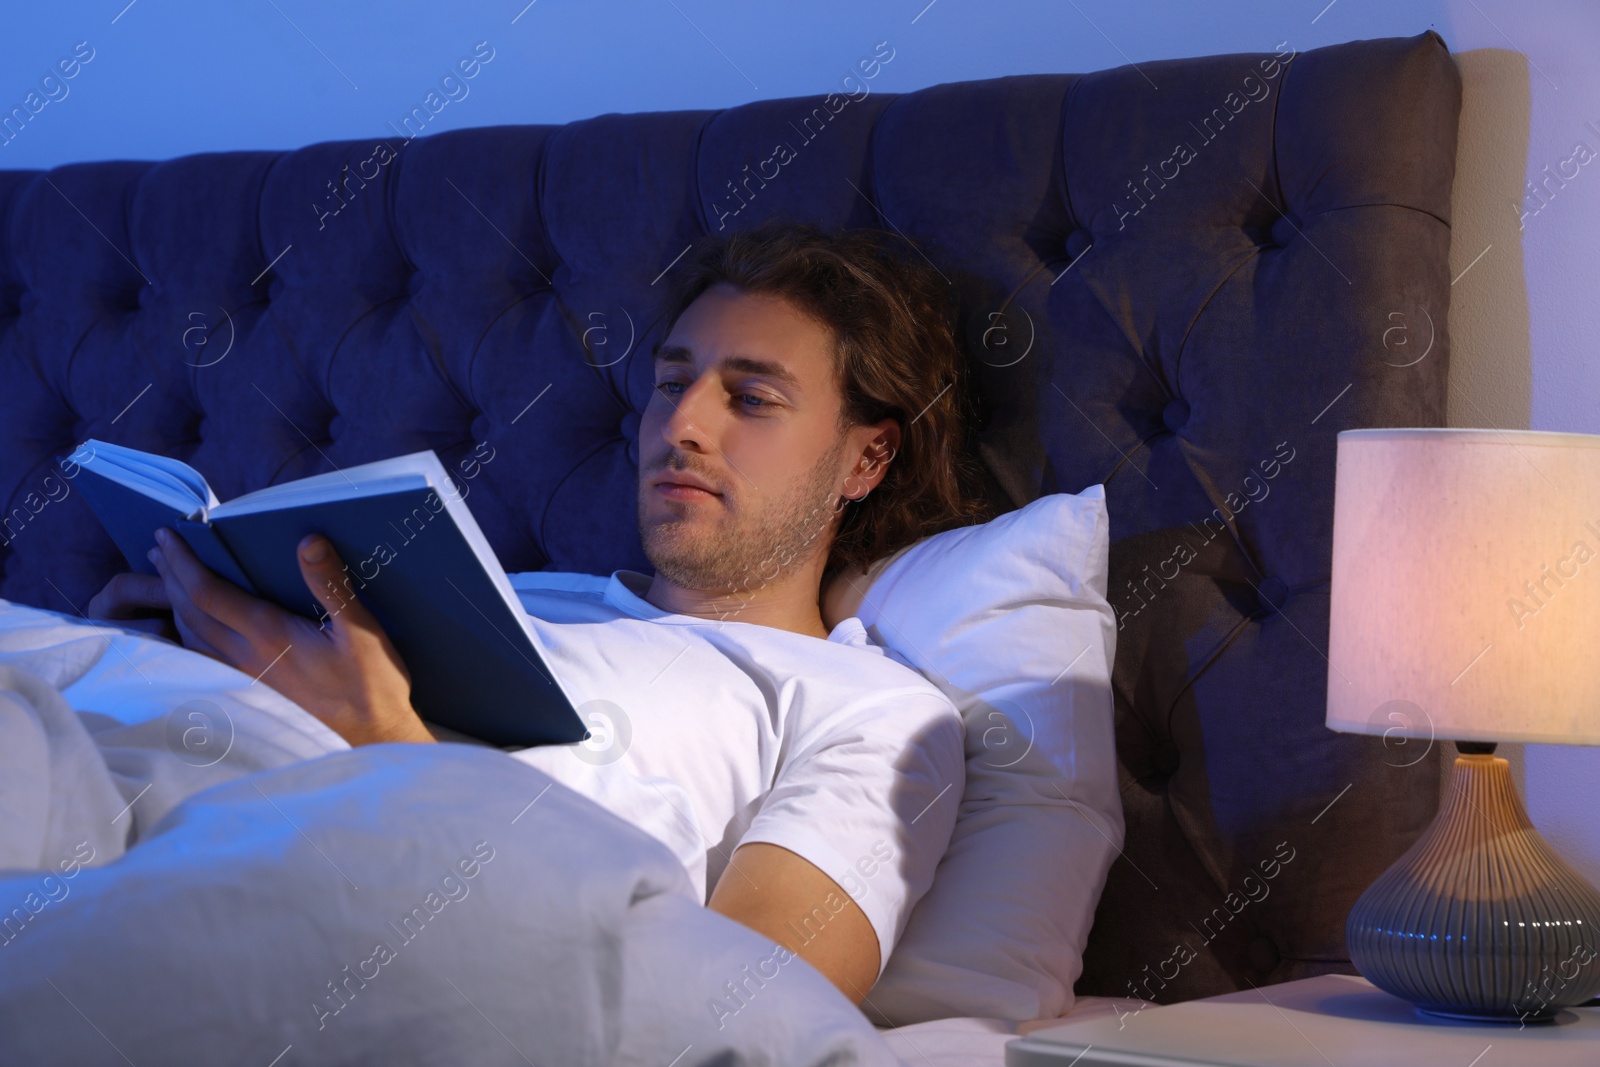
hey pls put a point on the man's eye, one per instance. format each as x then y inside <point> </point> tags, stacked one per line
<point>753,402</point>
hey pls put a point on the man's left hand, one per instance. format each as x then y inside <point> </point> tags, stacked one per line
<point>347,673</point>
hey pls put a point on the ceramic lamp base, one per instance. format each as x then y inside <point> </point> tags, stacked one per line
<point>1480,919</point>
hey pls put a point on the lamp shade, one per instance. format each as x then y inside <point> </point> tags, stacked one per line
<point>1466,585</point>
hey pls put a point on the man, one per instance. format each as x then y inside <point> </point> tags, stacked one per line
<point>806,420</point>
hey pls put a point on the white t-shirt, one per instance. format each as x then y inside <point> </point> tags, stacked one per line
<point>710,734</point>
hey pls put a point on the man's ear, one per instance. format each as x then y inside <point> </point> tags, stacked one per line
<point>882,444</point>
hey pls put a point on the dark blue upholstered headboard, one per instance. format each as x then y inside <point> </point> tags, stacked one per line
<point>1181,280</point>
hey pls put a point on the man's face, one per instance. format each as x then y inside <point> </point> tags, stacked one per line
<point>746,403</point>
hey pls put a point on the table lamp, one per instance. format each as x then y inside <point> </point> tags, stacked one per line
<point>1466,606</point>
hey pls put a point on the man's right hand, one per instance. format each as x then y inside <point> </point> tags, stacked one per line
<point>138,601</point>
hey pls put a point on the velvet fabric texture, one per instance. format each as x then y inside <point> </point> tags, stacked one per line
<point>1181,279</point>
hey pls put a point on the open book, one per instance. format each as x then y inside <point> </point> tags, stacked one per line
<point>414,555</point>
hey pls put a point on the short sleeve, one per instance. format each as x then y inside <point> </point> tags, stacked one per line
<point>870,798</point>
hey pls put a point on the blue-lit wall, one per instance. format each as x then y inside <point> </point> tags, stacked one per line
<point>169,78</point>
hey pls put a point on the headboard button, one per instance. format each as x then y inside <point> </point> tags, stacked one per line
<point>629,429</point>
<point>1272,592</point>
<point>1264,954</point>
<point>1164,759</point>
<point>1078,242</point>
<point>1285,228</point>
<point>1175,414</point>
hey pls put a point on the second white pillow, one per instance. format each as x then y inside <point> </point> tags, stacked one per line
<point>1010,619</point>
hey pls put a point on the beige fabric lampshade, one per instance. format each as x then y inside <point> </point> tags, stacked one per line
<point>1466,585</point>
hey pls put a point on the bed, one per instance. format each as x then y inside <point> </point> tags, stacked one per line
<point>1178,280</point>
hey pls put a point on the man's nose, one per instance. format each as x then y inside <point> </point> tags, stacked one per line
<point>687,423</point>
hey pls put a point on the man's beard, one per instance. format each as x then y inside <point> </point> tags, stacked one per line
<point>743,555</point>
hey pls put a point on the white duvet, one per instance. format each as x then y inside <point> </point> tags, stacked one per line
<point>194,870</point>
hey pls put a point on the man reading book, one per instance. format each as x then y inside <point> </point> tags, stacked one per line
<point>807,420</point>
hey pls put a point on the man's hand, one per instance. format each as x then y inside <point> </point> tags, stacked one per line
<point>138,602</point>
<point>347,673</point>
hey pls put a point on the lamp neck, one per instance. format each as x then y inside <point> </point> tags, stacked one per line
<point>1481,795</point>
<point>1475,748</point>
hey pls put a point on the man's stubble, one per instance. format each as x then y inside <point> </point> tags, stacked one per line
<point>752,542</point>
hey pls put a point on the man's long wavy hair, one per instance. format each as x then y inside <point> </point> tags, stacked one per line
<point>892,315</point>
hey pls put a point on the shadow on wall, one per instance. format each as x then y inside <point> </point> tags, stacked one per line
<point>1491,357</point>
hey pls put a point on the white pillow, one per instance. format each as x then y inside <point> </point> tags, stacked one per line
<point>1010,619</point>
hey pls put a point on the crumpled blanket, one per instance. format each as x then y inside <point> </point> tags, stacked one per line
<point>194,870</point>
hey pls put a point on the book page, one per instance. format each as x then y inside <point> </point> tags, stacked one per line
<point>366,479</point>
<point>169,481</point>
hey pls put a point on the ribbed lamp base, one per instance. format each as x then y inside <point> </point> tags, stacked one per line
<point>1480,919</point>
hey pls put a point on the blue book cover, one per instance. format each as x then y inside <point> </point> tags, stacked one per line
<point>414,555</point>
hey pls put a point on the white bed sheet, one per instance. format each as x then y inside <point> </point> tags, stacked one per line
<point>193,870</point>
<point>975,1042</point>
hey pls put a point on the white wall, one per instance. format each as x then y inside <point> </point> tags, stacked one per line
<point>1526,334</point>
<point>1561,250</point>
<point>174,77</point>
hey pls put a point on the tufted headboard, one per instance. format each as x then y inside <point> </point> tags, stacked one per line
<point>1180,279</point>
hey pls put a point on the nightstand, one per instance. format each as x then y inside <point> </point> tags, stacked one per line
<point>1332,1019</point>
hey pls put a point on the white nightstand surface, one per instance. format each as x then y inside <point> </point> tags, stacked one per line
<point>1334,1020</point>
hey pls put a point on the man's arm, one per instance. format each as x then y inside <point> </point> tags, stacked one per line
<point>781,895</point>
